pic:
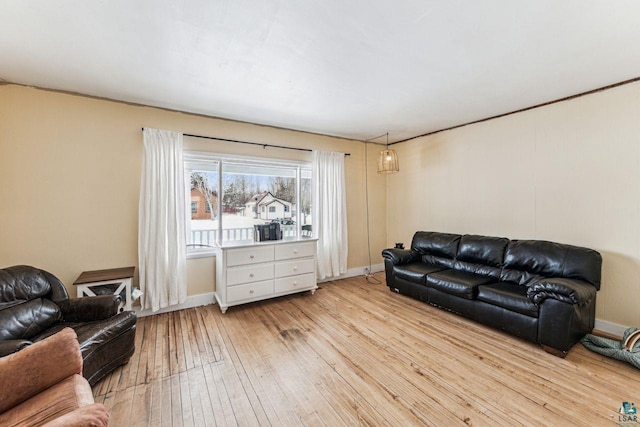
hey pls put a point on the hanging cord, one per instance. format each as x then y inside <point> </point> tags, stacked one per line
<point>369,277</point>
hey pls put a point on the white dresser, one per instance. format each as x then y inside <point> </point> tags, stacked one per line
<point>249,271</point>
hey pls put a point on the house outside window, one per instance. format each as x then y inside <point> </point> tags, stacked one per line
<point>202,196</point>
<point>239,192</point>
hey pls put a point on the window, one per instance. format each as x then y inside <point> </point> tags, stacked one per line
<point>202,181</point>
<point>236,192</point>
<point>305,203</point>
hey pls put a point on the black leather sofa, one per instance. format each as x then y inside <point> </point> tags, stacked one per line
<point>34,305</point>
<point>541,291</point>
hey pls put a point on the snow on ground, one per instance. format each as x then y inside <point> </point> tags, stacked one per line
<point>236,227</point>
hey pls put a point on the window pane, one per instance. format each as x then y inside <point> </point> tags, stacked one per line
<point>204,206</point>
<point>228,196</point>
<point>257,194</point>
<point>305,203</point>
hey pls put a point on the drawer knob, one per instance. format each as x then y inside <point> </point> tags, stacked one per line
<point>295,251</point>
<point>295,283</point>
<point>251,256</point>
<point>250,291</point>
<point>251,275</point>
<point>295,268</point>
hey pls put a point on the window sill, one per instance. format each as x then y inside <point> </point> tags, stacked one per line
<point>202,253</point>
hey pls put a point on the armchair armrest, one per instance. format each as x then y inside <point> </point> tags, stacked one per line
<point>570,291</point>
<point>400,256</point>
<point>89,309</point>
<point>38,367</point>
<point>11,346</point>
<point>95,415</point>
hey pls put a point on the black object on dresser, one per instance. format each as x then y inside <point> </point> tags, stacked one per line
<point>542,291</point>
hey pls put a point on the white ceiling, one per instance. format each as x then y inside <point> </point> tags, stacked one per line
<point>355,69</point>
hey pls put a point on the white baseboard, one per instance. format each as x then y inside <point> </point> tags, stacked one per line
<point>610,328</point>
<point>353,272</point>
<point>600,325</point>
<point>209,298</point>
<point>192,301</point>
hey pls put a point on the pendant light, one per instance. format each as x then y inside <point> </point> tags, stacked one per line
<point>388,160</point>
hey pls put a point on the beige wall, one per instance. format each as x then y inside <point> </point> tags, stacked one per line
<point>70,176</point>
<point>568,172</point>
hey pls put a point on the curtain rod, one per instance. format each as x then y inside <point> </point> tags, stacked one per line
<point>251,143</point>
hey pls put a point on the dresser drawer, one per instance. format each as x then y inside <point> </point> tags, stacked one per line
<point>249,273</point>
<point>293,283</point>
<point>296,266</point>
<point>249,291</point>
<point>251,255</point>
<point>295,250</point>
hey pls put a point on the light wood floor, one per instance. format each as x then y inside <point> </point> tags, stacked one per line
<point>353,354</point>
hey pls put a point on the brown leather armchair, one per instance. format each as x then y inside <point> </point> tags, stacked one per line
<point>34,305</point>
<point>46,386</point>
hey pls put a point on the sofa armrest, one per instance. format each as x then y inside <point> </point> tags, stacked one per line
<point>400,256</point>
<point>38,367</point>
<point>11,346</point>
<point>570,291</point>
<point>89,309</point>
<point>94,415</point>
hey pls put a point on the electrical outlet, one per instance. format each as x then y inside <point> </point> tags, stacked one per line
<point>366,271</point>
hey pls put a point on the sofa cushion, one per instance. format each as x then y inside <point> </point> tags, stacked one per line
<point>478,269</point>
<point>28,319</point>
<point>459,283</point>
<point>527,260</point>
<point>438,244</point>
<point>37,367</point>
<point>508,295</point>
<point>535,256</point>
<point>415,272</point>
<point>62,398</point>
<point>22,283</point>
<point>482,250</point>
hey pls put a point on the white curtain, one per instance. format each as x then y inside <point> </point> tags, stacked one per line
<point>161,222</point>
<point>330,213</point>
